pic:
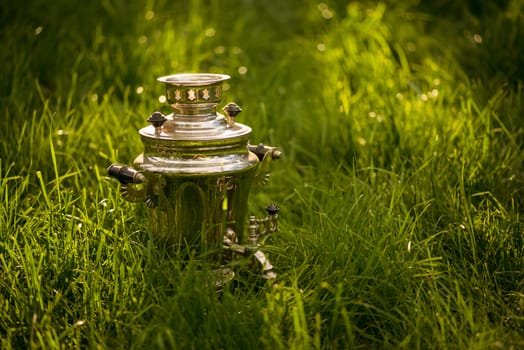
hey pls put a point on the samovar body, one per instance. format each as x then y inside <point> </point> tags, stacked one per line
<point>196,172</point>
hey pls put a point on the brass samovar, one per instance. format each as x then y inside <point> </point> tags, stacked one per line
<point>195,176</point>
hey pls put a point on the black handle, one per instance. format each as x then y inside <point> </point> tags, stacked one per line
<point>260,151</point>
<point>125,174</point>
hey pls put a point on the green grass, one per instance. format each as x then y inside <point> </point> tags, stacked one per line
<point>401,185</point>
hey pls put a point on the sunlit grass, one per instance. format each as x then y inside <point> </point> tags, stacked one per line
<point>400,185</point>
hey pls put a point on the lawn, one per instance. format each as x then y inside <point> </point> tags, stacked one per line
<point>400,186</point>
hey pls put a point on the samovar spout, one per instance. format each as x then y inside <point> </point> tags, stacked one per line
<point>267,269</point>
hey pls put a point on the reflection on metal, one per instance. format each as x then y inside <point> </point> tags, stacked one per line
<point>195,176</point>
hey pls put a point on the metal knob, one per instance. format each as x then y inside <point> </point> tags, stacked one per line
<point>157,119</point>
<point>231,110</point>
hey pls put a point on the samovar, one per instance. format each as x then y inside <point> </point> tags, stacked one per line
<point>195,176</point>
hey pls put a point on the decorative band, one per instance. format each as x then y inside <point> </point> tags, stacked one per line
<point>193,95</point>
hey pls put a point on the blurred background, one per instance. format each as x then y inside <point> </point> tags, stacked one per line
<point>401,184</point>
